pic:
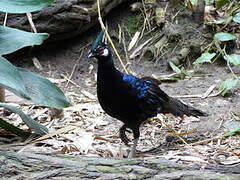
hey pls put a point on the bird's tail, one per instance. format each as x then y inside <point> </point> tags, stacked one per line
<point>177,108</point>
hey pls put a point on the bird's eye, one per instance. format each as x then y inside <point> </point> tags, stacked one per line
<point>100,50</point>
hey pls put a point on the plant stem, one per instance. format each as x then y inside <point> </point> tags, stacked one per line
<point>108,37</point>
<point>2,94</point>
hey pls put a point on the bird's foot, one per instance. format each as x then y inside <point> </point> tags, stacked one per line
<point>132,153</point>
<point>123,135</point>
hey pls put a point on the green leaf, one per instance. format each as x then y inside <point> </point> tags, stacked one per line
<point>42,91</point>
<point>234,116</point>
<point>31,86</point>
<point>13,39</point>
<point>222,36</point>
<point>233,59</point>
<point>13,129</point>
<point>209,2</point>
<point>232,133</point>
<point>193,2</point>
<point>236,18</point>
<point>11,79</point>
<point>175,68</point>
<point>221,3</point>
<point>227,85</point>
<point>223,20</point>
<point>33,125</point>
<point>205,57</point>
<point>23,6</point>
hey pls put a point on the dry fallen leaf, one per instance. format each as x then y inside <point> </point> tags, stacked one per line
<point>37,64</point>
<point>134,40</point>
<point>84,142</point>
<point>230,160</point>
<point>189,158</point>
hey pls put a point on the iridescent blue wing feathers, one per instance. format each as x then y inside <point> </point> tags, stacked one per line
<point>150,97</point>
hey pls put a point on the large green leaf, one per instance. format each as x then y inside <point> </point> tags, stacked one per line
<point>11,79</point>
<point>42,91</point>
<point>33,125</point>
<point>23,6</point>
<point>205,57</point>
<point>13,39</point>
<point>13,129</point>
<point>236,18</point>
<point>227,85</point>
<point>31,86</point>
<point>233,59</point>
<point>222,36</point>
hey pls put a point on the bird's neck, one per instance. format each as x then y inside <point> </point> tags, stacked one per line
<point>106,68</point>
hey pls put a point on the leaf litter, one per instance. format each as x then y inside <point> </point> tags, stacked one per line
<point>86,130</point>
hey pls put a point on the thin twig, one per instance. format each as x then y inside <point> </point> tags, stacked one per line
<point>175,133</point>
<point>228,64</point>
<point>178,136</point>
<point>108,37</point>
<point>29,16</point>
<point>74,68</point>
<point>204,95</point>
<point>5,19</point>
<point>206,140</point>
<point>223,53</point>
<point>56,133</point>
<point>75,65</point>
<point>125,47</point>
<point>65,77</point>
<point>197,95</point>
<point>174,16</point>
<point>145,14</point>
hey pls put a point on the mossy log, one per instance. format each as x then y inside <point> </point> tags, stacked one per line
<point>64,18</point>
<point>39,166</point>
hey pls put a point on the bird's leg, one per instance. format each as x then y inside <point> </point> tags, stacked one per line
<point>132,153</point>
<point>123,136</point>
<point>136,135</point>
<point>126,140</point>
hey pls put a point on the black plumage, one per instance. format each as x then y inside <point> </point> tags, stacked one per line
<point>130,99</point>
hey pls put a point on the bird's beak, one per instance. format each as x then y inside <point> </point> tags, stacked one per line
<point>91,54</point>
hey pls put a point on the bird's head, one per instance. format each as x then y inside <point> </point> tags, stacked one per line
<point>99,49</point>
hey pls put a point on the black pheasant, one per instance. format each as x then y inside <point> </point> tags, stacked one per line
<point>130,99</point>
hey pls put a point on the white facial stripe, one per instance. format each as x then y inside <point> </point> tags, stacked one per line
<point>105,52</point>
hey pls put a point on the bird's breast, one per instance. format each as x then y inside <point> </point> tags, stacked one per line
<point>116,101</point>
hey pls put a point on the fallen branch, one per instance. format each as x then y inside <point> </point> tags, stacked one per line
<point>41,166</point>
<point>63,19</point>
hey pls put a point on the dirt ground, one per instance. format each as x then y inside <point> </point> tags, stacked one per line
<point>93,133</point>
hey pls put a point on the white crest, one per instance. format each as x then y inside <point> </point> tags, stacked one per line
<point>105,52</point>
